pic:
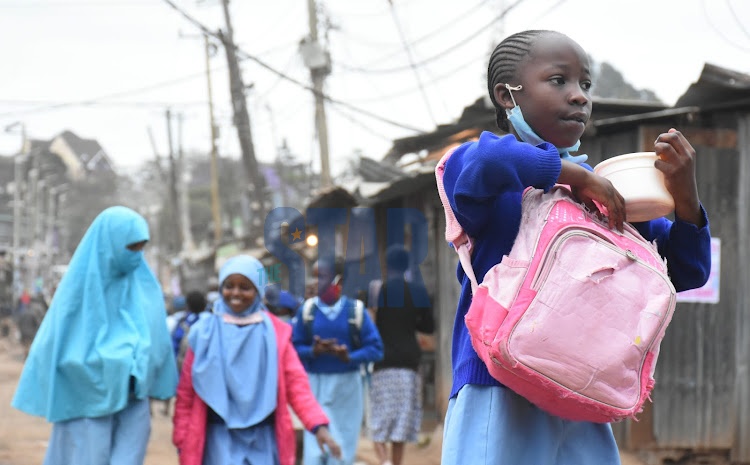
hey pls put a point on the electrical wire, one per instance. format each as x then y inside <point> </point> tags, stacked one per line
<point>439,30</point>
<point>737,19</point>
<point>262,64</point>
<point>46,5</point>
<point>414,68</point>
<point>411,90</point>
<point>718,31</point>
<point>360,124</point>
<point>548,11</point>
<point>48,105</point>
<point>445,52</point>
<point>98,100</point>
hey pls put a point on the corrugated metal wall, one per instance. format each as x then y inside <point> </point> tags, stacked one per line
<point>741,449</point>
<point>694,395</point>
<point>699,401</point>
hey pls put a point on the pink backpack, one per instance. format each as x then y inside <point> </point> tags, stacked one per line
<point>573,317</point>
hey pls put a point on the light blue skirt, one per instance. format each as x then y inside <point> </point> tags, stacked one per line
<point>117,439</point>
<point>491,425</point>
<point>342,397</point>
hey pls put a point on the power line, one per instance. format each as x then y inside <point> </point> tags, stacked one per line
<point>360,124</point>
<point>434,80</point>
<point>411,62</point>
<point>261,63</point>
<point>439,30</point>
<point>97,100</point>
<point>718,31</point>
<point>549,10</point>
<point>47,105</point>
<point>46,5</point>
<point>441,54</point>
<point>736,19</point>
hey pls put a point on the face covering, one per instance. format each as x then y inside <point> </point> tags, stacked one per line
<point>528,135</point>
<point>331,294</point>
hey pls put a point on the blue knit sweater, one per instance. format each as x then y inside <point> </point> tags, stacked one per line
<point>338,328</point>
<point>484,182</point>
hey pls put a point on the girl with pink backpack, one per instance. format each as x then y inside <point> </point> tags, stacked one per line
<point>548,76</point>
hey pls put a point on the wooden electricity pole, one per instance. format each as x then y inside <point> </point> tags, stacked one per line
<point>242,123</point>
<point>319,63</point>
<point>215,201</point>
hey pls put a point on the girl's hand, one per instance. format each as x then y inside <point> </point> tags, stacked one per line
<point>677,162</point>
<point>322,346</point>
<point>342,352</point>
<point>324,438</point>
<point>596,192</point>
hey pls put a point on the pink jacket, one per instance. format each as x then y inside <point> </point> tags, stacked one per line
<point>190,412</point>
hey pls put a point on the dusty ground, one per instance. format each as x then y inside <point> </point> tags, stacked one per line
<point>23,438</point>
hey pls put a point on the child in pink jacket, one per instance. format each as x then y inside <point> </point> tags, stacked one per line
<point>239,374</point>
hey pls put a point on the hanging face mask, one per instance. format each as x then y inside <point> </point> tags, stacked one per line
<point>524,131</point>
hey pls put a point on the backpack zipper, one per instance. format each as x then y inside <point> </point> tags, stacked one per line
<point>543,270</point>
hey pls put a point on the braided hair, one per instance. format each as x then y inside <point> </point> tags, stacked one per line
<point>504,63</point>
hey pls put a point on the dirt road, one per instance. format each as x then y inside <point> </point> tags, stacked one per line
<point>23,438</point>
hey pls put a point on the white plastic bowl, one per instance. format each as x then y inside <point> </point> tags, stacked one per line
<point>640,183</point>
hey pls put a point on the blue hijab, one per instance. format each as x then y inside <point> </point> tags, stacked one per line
<point>104,338</point>
<point>235,370</point>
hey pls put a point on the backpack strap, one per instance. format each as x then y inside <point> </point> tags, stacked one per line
<point>454,233</point>
<point>355,316</point>
<point>308,315</point>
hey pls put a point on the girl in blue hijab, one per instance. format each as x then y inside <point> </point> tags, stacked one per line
<point>102,350</point>
<point>239,374</point>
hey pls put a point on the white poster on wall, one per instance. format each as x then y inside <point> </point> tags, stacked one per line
<point>709,293</point>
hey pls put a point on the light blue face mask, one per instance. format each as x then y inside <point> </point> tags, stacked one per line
<point>528,135</point>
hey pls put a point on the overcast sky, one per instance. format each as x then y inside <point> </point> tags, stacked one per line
<point>109,69</point>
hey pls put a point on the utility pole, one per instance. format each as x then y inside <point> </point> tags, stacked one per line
<point>182,177</point>
<point>242,123</point>
<point>18,161</point>
<point>319,63</point>
<point>174,205</point>
<point>215,201</point>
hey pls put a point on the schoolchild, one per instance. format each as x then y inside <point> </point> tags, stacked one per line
<point>396,386</point>
<point>102,350</point>
<point>195,303</point>
<point>239,374</point>
<point>540,82</point>
<point>333,351</point>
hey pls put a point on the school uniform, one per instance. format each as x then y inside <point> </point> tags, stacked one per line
<point>101,351</point>
<point>487,423</point>
<point>192,427</point>
<point>337,385</point>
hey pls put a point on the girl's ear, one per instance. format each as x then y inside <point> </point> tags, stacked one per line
<point>502,96</point>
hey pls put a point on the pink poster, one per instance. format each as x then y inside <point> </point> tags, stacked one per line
<point>709,293</point>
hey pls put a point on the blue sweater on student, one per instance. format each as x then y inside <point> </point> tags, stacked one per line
<point>484,181</point>
<point>371,349</point>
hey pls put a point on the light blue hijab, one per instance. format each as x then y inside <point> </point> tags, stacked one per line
<point>106,325</point>
<point>235,370</point>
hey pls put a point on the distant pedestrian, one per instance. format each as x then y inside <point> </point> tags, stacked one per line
<point>335,337</point>
<point>396,385</point>
<point>195,303</point>
<point>102,350</point>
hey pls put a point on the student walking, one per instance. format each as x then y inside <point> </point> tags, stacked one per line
<point>239,374</point>
<point>396,385</point>
<point>334,337</point>
<point>102,349</point>
<point>539,83</point>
